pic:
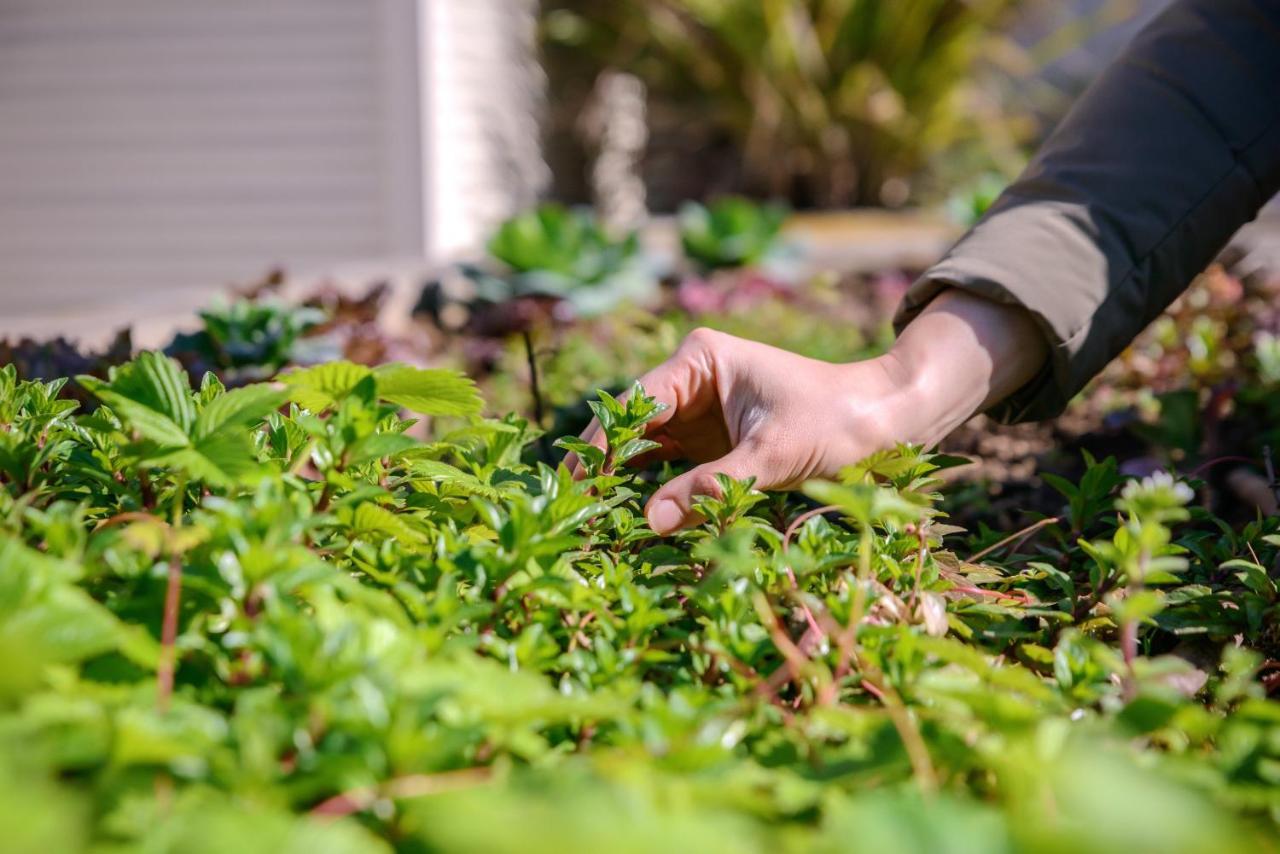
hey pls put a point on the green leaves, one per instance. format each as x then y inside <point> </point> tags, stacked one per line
<point>153,399</point>
<point>730,232</point>
<point>426,391</point>
<point>551,239</point>
<point>240,409</point>
<point>866,503</point>
<point>151,395</point>
<point>361,623</point>
<point>321,386</point>
<point>623,421</point>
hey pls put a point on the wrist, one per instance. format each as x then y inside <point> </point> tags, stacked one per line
<point>884,401</point>
<point>932,398</point>
<point>966,353</point>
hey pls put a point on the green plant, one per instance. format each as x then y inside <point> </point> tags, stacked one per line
<point>553,240</point>
<point>554,252</point>
<point>827,102</point>
<point>967,205</point>
<point>271,618</point>
<point>730,232</point>
<point>245,339</point>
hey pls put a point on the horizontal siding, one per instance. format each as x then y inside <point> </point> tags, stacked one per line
<point>151,144</point>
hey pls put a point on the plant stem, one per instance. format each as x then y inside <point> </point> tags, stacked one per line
<point>172,601</point>
<point>1018,536</point>
<point>535,388</point>
<point>179,502</point>
<point>144,488</point>
<point>169,634</point>
<point>326,495</point>
<point>400,788</point>
<point>1129,631</point>
<point>532,360</point>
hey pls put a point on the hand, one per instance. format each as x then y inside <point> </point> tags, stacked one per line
<point>745,409</point>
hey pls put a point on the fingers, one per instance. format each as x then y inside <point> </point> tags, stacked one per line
<point>671,507</point>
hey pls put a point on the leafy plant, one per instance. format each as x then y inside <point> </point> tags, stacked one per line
<point>555,252</point>
<point>272,618</point>
<point>245,339</point>
<point>825,102</point>
<point>730,232</point>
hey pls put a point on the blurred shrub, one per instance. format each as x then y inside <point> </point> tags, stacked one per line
<point>551,240</point>
<point>246,339</point>
<point>825,102</point>
<point>967,205</point>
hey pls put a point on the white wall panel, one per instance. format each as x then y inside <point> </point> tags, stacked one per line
<point>153,146</point>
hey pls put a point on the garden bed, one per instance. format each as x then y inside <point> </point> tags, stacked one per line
<point>322,601</point>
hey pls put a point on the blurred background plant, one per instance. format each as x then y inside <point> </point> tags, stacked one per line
<point>824,103</point>
<point>246,339</point>
<point>730,232</point>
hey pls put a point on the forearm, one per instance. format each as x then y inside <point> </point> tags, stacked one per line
<point>1174,147</point>
<point>960,356</point>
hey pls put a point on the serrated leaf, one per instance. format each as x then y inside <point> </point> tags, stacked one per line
<point>590,456</point>
<point>149,423</point>
<point>436,471</point>
<point>429,391</point>
<point>321,386</point>
<point>223,459</point>
<point>369,518</point>
<point>152,395</point>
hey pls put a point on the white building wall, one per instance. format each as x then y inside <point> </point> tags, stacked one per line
<point>482,97</point>
<point>153,151</point>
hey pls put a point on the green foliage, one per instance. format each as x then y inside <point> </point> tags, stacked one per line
<point>824,100</point>
<point>967,205</point>
<point>256,337</point>
<point>270,619</point>
<point>730,232</point>
<point>551,251</point>
<point>551,239</point>
<point>422,390</point>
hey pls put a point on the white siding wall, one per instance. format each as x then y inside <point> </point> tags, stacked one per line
<point>151,146</point>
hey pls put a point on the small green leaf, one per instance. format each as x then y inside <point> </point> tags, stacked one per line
<point>321,386</point>
<point>241,408</point>
<point>379,446</point>
<point>633,448</point>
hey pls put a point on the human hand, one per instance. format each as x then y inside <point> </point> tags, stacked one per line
<point>745,409</point>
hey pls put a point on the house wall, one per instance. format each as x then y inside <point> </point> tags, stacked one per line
<point>484,93</point>
<point>154,151</point>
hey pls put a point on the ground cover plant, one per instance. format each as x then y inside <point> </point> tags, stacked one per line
<point>268,618</point>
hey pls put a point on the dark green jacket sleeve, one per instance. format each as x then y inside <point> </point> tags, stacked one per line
<point>1173,148</point>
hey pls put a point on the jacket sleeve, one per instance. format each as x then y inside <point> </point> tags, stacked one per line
<point>1174,147</point>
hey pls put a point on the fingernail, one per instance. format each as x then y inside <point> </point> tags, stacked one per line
<point>665,516</point>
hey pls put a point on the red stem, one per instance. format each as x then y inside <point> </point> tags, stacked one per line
<point>1018,536</point>
<point>169,635</point>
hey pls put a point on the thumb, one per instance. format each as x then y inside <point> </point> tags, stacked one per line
<point>671,507</point>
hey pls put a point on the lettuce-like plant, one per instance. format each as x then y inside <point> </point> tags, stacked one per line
<point>730,232</point>
<point>552,251</point>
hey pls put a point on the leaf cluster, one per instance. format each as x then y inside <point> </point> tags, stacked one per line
<point>282,616</point>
